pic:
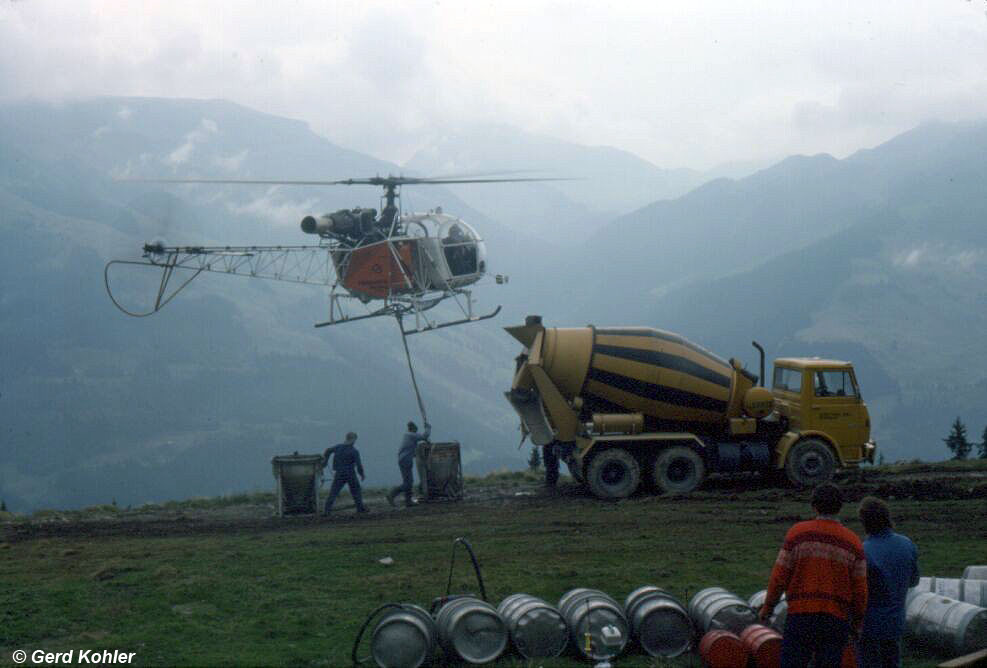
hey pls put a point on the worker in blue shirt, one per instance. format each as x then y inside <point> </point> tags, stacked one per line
<point>345,465</point>
<point>406,459</point>
<point>892,567</point>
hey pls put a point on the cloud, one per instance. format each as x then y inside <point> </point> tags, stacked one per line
<point>269,208</point>
<point>680,83</point>
<point>231,163</point>
<point>184,152</point>
<point>938,256</point>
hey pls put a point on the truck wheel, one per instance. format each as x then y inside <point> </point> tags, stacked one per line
<point>613,474</point>
<point>810,463</point>
<point>679,470</point>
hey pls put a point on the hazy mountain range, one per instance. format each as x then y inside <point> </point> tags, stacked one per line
<point>880,258</point>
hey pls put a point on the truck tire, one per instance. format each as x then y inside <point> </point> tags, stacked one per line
<point>678,470</point>
<point>613,473</point>
<point>810,463</point>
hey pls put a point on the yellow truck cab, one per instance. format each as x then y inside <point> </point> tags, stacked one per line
<point>821,400</point>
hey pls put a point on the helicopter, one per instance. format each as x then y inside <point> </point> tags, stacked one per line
<point>392,264</point>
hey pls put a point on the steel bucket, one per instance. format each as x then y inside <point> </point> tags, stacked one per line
<point>715,608</point>
<point>537,629</point>
<point>403,638</point>
<point>471,629</point>
<point>590,611</point>
<point>952,625</point>
<point>973,592</point>
<point>778,615</point>
<point>659,622</point>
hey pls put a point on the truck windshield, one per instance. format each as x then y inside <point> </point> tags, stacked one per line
<point>834,384</point>
<point>788,380</point>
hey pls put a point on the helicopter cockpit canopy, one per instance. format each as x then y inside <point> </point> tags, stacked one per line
<point>464,252</point>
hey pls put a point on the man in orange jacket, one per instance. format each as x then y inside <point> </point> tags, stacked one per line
<point>823,571</point>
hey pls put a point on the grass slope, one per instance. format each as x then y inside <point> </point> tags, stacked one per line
<point>294,592</point>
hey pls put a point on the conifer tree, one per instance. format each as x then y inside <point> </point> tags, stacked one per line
<point>534,461</point>
<point>983,444</point>
<point>957,441</point>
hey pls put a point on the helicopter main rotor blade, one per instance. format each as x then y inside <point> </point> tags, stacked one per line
<point>263,182</point>
<point>370,181</point>
<point>438,181</point>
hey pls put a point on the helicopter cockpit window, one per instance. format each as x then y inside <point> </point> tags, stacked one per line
<point>459,244</point>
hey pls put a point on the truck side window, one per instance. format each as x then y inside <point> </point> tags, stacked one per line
<point>834,384</point>
<point>788,380</point>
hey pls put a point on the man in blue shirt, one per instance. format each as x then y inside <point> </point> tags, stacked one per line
<point>406,459</point>
<point>345,465</point>
<point>892,567</point>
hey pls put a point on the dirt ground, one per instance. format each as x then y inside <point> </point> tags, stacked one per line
<point>259,516</point>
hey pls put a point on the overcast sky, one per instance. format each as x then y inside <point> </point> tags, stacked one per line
<point>678,83</point>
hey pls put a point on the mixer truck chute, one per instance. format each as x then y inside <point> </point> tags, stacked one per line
<point>631,405</point>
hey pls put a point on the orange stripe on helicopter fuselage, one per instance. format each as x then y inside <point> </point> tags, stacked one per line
<point>373,270</point>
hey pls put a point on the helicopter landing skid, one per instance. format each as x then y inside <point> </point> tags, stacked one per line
<point>463,321</point>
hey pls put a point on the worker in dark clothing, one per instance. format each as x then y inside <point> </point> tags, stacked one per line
<point>892,567</point>
<point>345,465</point>
<point>550,459</point>
<point>553,453</point>
<point>406,459</point>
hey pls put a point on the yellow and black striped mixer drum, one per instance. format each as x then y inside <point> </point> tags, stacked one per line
<point>659,374</point>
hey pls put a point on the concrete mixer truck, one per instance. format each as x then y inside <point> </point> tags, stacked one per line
<point>632,405</point>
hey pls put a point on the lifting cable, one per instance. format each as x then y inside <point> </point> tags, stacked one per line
<point>411,369</point>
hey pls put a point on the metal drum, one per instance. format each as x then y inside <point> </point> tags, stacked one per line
<point>471,629</point>
<point>778,615</point>
<point>590,611</point>
<point>403,638</point>
<point>763,644</point>
<point>945,622</point>
<point>716,608</point>
<point>973,592</point>
<point>975,573</point>
<point>537,629</point>
<point>659,622</point>
<point>722,649</point>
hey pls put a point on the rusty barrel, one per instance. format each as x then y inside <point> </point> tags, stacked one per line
<point>715,608</point>
<point>471,629</point>
<point>597,624</point>
<point>659,622</point>
<point>722,649</point>
<point>403,638</point>
<point>952,625</point>
<point>763,644</point>
<point>537,629</point>
<point>962,589</point>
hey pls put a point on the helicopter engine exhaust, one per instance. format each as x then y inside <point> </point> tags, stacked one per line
<point>342,223</point>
